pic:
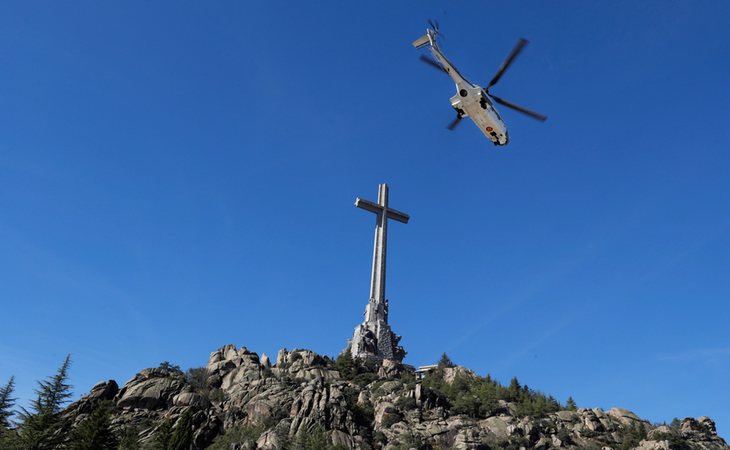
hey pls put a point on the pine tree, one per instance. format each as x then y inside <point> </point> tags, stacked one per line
<point>570,404</point>
<point>182,436</point>
<point>514,390</point>
<point>8,436</point>
<point>445,361</point>
<point>346,365</point>
<point>162,436</point>
<point>95,433</point>
<point>43,428</point>
<point>129,439</point>
<point>7,401</point>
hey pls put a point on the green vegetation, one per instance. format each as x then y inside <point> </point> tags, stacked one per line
<point>197,378</point>
<point>182,435</point>
<point>161,438</point>
<point>674,436</point>
<point>42,427</point>
<point>242,436</point>
<point>406,403</point>
<point>169,367</point>
<point>410,441</point>
<point>570,404</point>
<point>479,397</point>
<point>346,365</point>
<point>630,436</point>
<point>129,439</point>
<point>95,432</point>
<point>445,361</point>
<point>7,401</point>
<point>313,440</point>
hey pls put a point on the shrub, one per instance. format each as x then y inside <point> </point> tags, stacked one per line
<point>242,436</point>
<point>406,403</point>
<point>174,369</point>
<point>346,365</point>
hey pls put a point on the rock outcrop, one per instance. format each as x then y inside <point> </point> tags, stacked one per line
<point>381,407</point>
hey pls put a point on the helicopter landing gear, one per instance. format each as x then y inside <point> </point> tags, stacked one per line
<point>460,112</point>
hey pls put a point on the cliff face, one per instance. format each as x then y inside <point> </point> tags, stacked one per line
<point>257,405</point>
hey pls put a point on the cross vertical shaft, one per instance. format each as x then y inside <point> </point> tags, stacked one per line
<point>382,213</point>
<point>380,248</point>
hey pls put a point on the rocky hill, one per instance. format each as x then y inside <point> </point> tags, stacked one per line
<point>242,401</point>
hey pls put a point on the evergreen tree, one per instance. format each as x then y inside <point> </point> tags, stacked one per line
<point>514,390</point>
<point>95,433</point>
<point>182,436</point>
<point>172,368</point>
<point>162,437</point>
<point>445,361</point>
<point>346,365</point>
<point>7,401</point>
<point>570,404</point>
<point>129,439</point>
<point>43,428</point>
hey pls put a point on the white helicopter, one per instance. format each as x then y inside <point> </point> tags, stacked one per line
<point>470,99</point>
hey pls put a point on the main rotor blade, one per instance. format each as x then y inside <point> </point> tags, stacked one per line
<point>508,62</point>
<point>455,122</point>
<point>432,62</point>
<point>434,25</point>
<point>526,111</point>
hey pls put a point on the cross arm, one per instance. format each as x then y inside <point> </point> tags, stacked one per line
<point>377,209</point>
<point>368,206</point>
<point>397,215</point>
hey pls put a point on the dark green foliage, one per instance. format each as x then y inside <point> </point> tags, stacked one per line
<point>630,436</point>
<point>675,439</point>
<point>129,439</point>
<point>346,365</point>
<point>197,378</point>
<point>445,361</point>
<point>7,401</point>
<point>243,436</point>
<point>182,435</point>
<point>315,440</point>
<point>42,427</point>
<point>10,441</point>
<point>364,379</point>
<point>391,419</point>
<point>406,403</point>
<point>172,368</point>
<point>411,440</point>
<point>379,439</point>
<point>95,432</point>
<point>570,404</point>
<point>362,414</point>
<point>479,397</point>
<point>675,424</point>
<point>216,395</point>
<point>161,438</point>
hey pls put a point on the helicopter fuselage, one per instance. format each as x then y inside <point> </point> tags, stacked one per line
<point>473,101</point>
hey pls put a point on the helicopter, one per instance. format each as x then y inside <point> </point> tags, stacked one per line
<point>472,100</point>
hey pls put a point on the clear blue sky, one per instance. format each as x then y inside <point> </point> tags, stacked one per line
<point>177,176</point>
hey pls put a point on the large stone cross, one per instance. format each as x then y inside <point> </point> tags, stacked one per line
<point>383,213</point>
<point>373,339</point>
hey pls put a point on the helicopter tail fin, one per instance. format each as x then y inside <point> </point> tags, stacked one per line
<point>422,41</point>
